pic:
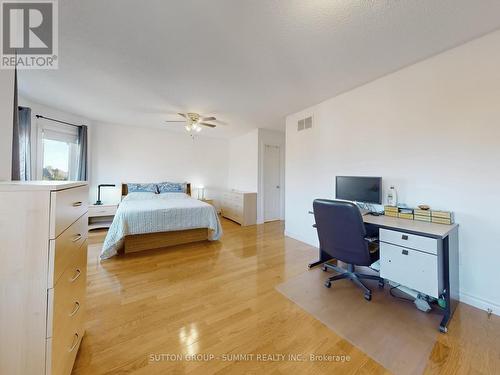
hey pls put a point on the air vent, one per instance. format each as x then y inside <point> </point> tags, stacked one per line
<point>305,123</point>
<point>308,122</point>
<point>301,125</point>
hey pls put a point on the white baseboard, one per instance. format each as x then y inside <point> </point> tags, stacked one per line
<point>300,238</point>
<point>480,303</point>
<point>477,302</point>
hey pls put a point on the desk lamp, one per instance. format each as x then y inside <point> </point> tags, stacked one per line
<point>98,203</point>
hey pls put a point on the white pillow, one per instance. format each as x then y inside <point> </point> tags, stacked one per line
<point>139,196</point>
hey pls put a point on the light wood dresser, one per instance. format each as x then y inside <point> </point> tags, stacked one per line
<point>43,268</point>
<point>239,206</point>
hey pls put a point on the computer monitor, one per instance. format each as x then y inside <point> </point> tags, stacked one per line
<point>359,189</point>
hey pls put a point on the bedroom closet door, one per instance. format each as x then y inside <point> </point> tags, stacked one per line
<point>272,188</point>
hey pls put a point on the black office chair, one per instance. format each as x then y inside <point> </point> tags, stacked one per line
<point>342,235</point>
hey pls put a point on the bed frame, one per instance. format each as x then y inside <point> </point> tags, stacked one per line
<point>125,189</point>
<point>148,241</point>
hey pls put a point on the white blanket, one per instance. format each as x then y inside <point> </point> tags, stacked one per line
<point>150,213</point>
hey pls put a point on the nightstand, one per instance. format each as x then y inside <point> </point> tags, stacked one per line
<point>101,216</point>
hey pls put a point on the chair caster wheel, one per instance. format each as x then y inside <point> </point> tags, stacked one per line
<point>443,329</point>
<point>368,296</point>
<point>324,268</point>
<point>328,284</point>
<point>381,284</point>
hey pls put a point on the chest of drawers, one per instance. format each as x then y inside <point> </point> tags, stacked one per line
<point>240,207</point>
<point>43,268</point>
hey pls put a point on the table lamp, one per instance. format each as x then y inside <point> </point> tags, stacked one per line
<point>201,189</point>
<point>98,203</point>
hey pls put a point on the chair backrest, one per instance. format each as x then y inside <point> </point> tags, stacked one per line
<point>341,231</point>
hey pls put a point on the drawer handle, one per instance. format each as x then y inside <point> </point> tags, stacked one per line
<point>77,204</point>
<point>75,310</point>
<point>75,342</point>
<point>78,237</point>
<point>404,237</point>
<point>404,252</point>
<point>77,275</point>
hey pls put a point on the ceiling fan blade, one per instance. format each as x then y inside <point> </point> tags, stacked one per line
<point>182,114</point>
<point>175,121</point>
<point>205,124</point>
<point>208,118</point>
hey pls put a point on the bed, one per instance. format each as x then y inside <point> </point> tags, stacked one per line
<point>146,220</point>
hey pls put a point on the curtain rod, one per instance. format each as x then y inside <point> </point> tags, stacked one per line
<point>59,121</point>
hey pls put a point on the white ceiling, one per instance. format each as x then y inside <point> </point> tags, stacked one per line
<point>248,62</point>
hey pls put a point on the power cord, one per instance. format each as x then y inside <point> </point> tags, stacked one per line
<point>399,297</point>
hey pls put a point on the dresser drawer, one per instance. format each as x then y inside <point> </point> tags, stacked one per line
<point>65,207</point>
<point>232,214</point>
<point>237,217</point>
<point>64,248</point>
<point>411,268</point>
<point>61,350</point>
<point>227,211</point>
<point>238,198</point>
<point>412,241</point>
<point>96,211</point>
<point>66,300</point>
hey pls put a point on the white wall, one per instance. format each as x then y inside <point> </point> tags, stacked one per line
<point>6,122</point>
<point>244,162</point>
<point>432,130</point>
<point>246,158</point>
<point>136,154</point>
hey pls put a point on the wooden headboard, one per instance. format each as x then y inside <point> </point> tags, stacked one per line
<point>125,189</point>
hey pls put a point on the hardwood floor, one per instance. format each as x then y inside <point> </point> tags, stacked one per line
<point>146,309</point>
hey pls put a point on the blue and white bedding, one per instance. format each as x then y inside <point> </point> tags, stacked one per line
<point>140,213</point>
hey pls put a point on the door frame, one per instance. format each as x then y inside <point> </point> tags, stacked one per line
<point>281,147</point>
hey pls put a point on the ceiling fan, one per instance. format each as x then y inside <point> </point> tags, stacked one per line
<point>194,122</point>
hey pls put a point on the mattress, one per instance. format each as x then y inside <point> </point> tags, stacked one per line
<point>141,213</point>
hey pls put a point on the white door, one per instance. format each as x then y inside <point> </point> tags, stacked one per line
<point>272,188</point>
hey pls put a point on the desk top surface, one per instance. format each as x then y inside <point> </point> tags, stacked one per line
<point>425,228</point>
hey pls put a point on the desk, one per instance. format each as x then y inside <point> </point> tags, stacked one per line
<point>415,236</point>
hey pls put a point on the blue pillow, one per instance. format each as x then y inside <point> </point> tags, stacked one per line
<point>172,187</point>
<point>142,188</point>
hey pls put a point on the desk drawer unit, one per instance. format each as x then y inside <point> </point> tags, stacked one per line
<point>417,265</point>
<point>412,241</point>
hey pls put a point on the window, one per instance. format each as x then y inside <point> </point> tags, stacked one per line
<point>58,152</point>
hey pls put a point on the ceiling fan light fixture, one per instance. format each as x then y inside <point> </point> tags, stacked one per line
<point>194,123</point>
